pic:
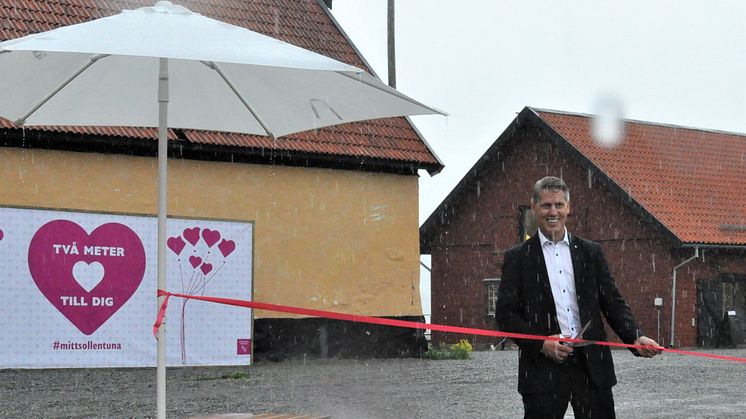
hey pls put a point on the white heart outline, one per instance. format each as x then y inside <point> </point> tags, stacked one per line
<point>88,275</point>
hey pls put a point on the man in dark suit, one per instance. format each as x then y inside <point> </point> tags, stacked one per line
<point>554,284</point>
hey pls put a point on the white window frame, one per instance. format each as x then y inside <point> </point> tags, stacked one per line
<point>492,285</point>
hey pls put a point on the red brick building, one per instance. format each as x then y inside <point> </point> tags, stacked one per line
<point>660,197</point>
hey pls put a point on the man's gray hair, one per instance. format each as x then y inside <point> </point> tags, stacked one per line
<point>550,183</point>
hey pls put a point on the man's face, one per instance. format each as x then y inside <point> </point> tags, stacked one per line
<point>551,214</point>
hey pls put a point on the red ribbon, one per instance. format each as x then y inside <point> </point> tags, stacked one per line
<point>403,323</point>
<point>161,312</point>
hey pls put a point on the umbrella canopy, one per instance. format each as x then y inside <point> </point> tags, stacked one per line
<point>221,78</point>
<point>167,67</point>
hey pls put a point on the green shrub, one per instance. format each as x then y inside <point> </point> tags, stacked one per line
<point>460,350</point>
<point>240,375</point>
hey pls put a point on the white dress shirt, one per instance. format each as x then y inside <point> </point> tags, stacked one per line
<point>562,280</point>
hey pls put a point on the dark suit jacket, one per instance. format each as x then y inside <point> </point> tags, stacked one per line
<point>525,305</point>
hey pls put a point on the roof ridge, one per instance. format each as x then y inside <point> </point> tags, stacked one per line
<point>641,122</point>
<point>321,140</point>
<point>307,24</point>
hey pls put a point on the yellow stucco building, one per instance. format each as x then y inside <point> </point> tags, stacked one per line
<point>335,211</point>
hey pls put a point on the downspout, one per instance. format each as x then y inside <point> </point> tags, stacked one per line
<point>673,294</point>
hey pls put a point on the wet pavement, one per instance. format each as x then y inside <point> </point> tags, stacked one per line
<point>669,386</point>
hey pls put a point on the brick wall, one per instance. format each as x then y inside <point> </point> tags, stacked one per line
<point>478,227</point>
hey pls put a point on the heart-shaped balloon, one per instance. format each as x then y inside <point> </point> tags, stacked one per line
<point>206,268</point>
<point>227,247</point>
<point>195,261</point>
<point>192,235</point>
<point>210,237</point>
<point>176,244</point>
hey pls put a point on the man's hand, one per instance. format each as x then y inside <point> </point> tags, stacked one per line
<point>555,350</point>
<point>651,348</point>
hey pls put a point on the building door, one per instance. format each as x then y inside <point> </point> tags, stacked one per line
<point>721,311</point>
<point>709,312</point>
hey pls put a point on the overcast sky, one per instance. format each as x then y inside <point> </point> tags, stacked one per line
<point>679,62</point>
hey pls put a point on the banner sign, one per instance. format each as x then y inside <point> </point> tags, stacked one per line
<point>80,290</point>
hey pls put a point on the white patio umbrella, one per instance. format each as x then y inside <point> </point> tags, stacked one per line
<point>167,67</point>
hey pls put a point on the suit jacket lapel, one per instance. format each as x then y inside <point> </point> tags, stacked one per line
<point>537,257</point>
<point>579,268</point>
<point>535,252</point>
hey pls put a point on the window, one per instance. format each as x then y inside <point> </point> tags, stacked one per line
<point>527,227</point>
<point>541,154</point>
<point>491,285</point>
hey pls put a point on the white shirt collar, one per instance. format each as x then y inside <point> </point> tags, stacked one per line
<point>544,240</point>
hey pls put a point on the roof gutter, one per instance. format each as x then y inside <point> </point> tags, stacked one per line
<point>673,295</point>
<point>431,171</point>
<point>715,246</point>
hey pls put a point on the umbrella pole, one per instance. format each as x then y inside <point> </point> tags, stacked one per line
<point>162,204</point>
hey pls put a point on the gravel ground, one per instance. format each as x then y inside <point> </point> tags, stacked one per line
<point>669,386</point>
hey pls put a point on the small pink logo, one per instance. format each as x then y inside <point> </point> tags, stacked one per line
<point>87,277</point>
<point>1,234</point>
<point>243,347</point>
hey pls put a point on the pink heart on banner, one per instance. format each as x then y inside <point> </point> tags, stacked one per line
<point>86,277</point>
<point>206,268</point>
<point>227,247</point>
<point>195,261</point>
<point>192,235</point>
<point>1,235</point>
<point>210,236</point>
<point>176,244</point>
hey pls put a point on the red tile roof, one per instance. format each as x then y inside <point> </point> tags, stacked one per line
<point>690,180</point>
<point>304,23</point>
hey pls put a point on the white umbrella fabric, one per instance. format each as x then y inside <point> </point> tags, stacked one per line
<point>167,67</point>
<point>221,77</point>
